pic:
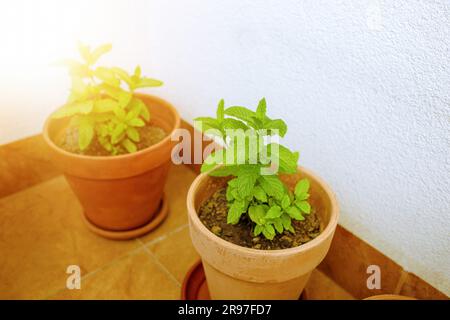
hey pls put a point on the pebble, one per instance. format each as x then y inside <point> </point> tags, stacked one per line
<point>216,230</point>
<point>286,238</point>
<point>257,246</point>
<point>256,239</point>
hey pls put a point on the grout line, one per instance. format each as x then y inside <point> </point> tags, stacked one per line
<point>161,266</point>
<point>141,245</point>
<point>401,282</point>
<point>155,258</point>
<point>99,269</point>
<point>163,237</point>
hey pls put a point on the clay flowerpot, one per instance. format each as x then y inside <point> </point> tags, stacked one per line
<point>235,272</point>
<point>119,193</point>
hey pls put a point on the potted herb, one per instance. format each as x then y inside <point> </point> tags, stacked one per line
<point>113,144</point>
<point>260,223</point>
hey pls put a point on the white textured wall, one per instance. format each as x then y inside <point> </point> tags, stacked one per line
<point>364,87</point>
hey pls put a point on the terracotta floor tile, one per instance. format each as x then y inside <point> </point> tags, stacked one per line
<point>347,263</point>
<point>176,253</point>
<point>41,234</point>
<point>24,163</point>
<point>136,276</point>
<point>321,287</point>
<point>417,288</point>
<point>177,186</point>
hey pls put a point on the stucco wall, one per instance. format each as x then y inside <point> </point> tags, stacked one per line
<point>363,85</point>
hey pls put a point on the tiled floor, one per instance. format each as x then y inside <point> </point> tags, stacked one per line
<point>41,234</point>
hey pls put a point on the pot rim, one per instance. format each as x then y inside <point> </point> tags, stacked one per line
<point>167,139</point>
<point>329,229</point>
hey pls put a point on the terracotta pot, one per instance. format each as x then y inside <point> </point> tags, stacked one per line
<point>119,192</point>
<point>235,272</point>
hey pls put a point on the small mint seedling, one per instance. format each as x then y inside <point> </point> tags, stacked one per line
<point>99,105</point>
<point>263,197</point>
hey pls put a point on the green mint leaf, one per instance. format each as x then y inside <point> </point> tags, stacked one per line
<point>273,213</point>
<point>278,125</point>
<point>304,206</point>
<point>136,122</point>
<point>137,71</point>
<point>272,185</point>
<point>83,107</point>
<point>206,123</point>
<point>118,133</point>
<point>245,184</point>
<point>259,194</point>
<point>241,113</point>
<point>129,145</point>
<point>122,75</point>
<point>223,171</point>
<point>134,112</point>
<point>213,160</point>
<point>258,229</point>
<point>98,52</point>
<point>236,209</point>
<point>256,214</point>
<point>133,134</point>
<point>220,110</point>
<point>124,98</point>
<point>302,196</point>
<point>286,202</point>
<point>111,91</point>
<point>236,194</point>
<point>207,167</point>
<point>107,76</point>
<point>140,107</point>
<point>76,69</point>
<point>278,224</point>
<point>148,82</point>
<point>104,105</point>
<point>286,159</point>
<point>268,231</point>
<point>233,124</point>
<point>145,113</point>
<point>302,187</point>
<point>85,132</point>
<point>229,194</point>
<point>120,113</point>
<point>261,109</point>
<point>247,168</point>
<point>294,213</point>
<point>286,220</point>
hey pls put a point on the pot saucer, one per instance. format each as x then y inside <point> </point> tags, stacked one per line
<point>133,233</point>
<point>195,288</point>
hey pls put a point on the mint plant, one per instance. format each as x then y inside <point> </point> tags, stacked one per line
<point>255,190</point>
<point>102,104</point>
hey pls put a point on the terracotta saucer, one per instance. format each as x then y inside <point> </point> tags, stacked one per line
<point>133,233</point>
<point>194,284</point>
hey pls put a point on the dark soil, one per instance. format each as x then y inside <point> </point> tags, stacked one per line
<point>213,214</point>
<point>149,134</point>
